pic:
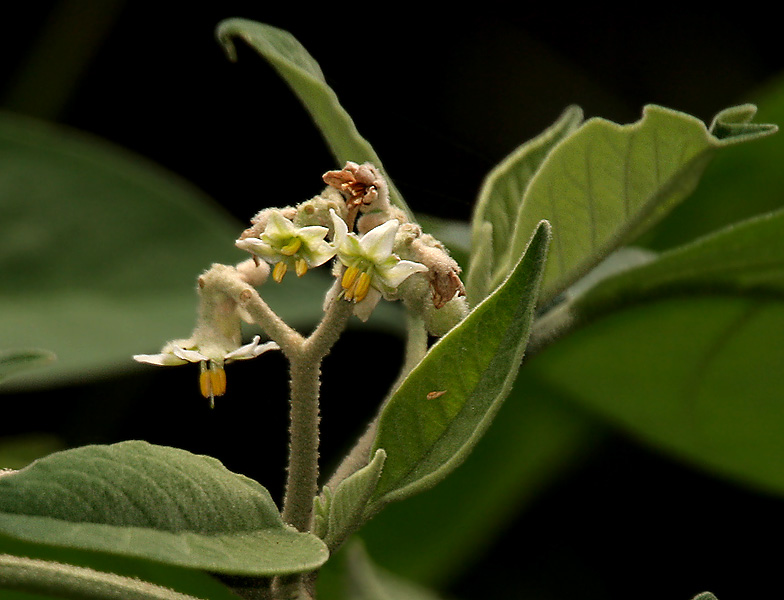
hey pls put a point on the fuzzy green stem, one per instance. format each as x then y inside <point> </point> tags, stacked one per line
<point>305,371</point>
<point>67,581</point>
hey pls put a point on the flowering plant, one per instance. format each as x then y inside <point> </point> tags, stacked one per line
<point>548,293</point>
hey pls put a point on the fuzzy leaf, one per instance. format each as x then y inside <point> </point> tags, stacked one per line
<point>502,194</point>
<point>607,183</point>
<point>346,509</point>
<point>447,402</point>
<point>302,73</point>
<point>158,503</point>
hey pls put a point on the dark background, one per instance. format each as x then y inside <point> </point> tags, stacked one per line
<point>442,94</point>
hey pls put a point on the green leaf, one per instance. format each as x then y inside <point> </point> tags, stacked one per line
<point>607,183</point>
<point>502,194</point>
<point>446,403</point>
<point>15,361</point>
<point>685,351</point>
<point>302,73</point>
<point>58,580</point>
<point>101,250</point>
<point>184,580</point>
<point>746,258</point>
<point>741,182</point>
<point>162,504</point>
<point>535,438</point>
<point>347,504</point>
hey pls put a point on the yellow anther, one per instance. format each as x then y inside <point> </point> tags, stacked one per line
<point>301,266</point>
<point>349,277</point>
<point>362,287</point>
<point>279,271</point>
<point>212,381</point>
<point>291,248</point>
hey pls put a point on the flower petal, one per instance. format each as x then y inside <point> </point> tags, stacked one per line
<point>188,355</point>
<point>398,273</point>
<point>377,243</point>
<point>364,308</point>
<point>259,247</point>
<point>251,350</point>
<point>164,359</point>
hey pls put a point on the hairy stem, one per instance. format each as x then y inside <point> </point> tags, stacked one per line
<point>305,372</point>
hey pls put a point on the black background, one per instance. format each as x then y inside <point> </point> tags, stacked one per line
<point>442,93</point>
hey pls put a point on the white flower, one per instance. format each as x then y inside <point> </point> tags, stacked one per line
<point>217,340</point>
<point>211,358</point>
<point>372,270</point>
<point>285,245</point>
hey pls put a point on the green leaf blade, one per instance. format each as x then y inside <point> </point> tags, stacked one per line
<point>440,410</point>
<point>504,188</point>
<point>608,183</point>
<point>302,73</point>
<point>685,351</point>
<point>153,502</point>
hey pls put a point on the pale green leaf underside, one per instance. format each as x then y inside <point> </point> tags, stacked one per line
<point>16,361</point>
<point>745,258</point>
<point>607,183</point>
<point>302,73</point>
<point>503,190</point>
<point>427,433</point>
<point>159,503</point>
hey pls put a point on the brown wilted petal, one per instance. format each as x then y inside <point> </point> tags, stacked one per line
<point>360,184</point>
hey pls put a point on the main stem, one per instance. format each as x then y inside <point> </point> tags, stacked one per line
<point>303,470</point>
<point>305,371</point>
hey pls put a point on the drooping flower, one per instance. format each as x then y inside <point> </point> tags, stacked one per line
<point>287,246</point>
<point>372,270</point>
<point>216,341</point>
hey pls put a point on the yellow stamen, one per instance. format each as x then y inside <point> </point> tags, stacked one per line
<point>291,248</point>
<point>349,277</point>
<point>362,287</point>
<point>218,380</point>
<point>279,271</point>
<point>212,381</point>
<point>301,266</point>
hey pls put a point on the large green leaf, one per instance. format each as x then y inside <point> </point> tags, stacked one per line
<point>502,192</point>
<point>100,251</point>
<point>746,258</point>
<point>302,73</point>
<point>607,183</point>
<point>685,352</point>
<point>447,402</point>
<point>154,502</point>
<point>741,182</point>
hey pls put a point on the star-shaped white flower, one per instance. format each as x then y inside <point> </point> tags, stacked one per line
<point>285,245</point>
<point>211,357</point>
<point>372,269</point>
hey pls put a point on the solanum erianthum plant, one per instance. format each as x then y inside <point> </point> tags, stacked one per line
<point>551,251</point>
